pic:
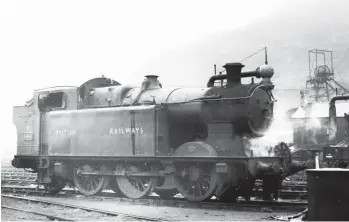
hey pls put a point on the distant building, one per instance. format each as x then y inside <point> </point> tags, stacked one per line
<point>310,124</point>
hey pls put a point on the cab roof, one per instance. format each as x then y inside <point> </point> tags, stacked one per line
<point>56,88</point>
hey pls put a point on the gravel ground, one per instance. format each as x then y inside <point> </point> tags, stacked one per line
<point>12,215</point>
<point>68,213</point>
<point>170,213</point>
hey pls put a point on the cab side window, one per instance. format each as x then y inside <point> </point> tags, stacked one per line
<point>52,101</point>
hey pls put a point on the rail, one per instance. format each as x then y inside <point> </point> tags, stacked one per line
<point>106,212</point>
<point>52,217</point>
<point>254,203</point>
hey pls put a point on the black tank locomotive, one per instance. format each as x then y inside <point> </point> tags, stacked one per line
<point>142,139</point>
<point>336,153</point>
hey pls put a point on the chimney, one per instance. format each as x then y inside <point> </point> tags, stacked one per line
<point>233,73</point>
<point>151,82</point>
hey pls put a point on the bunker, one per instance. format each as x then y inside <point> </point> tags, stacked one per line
<point>328,194</point>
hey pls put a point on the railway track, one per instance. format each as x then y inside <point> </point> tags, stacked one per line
<point>291,189</point>
<point>77,214</point>
<point>177,201</point>
<point>290,192</point>
<point>9,174</point>
<point>28,211</point>
<point>18,181</point>
<point>49,216</point>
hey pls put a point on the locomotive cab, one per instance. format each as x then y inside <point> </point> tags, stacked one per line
<point>30,121</point>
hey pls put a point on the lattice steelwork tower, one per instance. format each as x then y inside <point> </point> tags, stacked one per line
<point>321,85</point>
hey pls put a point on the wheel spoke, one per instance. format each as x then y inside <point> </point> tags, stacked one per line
<point>90,182</point>
<point>133,187</point>
<point>83,182</point>
<point>200,188</point>
<point>140,182</point>
<point>95,182</point>
<point>196,185</point>
<point>203,181</point>
<point>192,190</point>
<point>89,185</point>
<point>137,185</point>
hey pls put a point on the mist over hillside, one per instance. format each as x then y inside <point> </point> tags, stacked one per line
<point>289,32</point>
<point>293,28</point>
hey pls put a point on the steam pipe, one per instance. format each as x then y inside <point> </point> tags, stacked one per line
<point>222,77</point>
<point>234,75</point>
<point>292,167</point>
<point>332,109</point>
<point>250,74</point>
<point>262,169</point>
<point>214,78</point>
<point>334,99</point>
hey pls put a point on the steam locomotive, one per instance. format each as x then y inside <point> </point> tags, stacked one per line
<point>336,154</point>
<point>138,140</point>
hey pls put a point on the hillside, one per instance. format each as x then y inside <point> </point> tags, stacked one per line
<point>71,54</point>
<point>288,33</point>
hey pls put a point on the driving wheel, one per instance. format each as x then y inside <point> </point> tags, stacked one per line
<point>89,184</point>
<point>134,187</point>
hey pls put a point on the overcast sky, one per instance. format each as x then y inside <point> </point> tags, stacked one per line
<point>49,43</point>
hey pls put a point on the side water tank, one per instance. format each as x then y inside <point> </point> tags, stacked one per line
<point>328,194</point>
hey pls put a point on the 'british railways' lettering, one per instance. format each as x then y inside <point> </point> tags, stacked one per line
<point>65,132</point>
<point>126,130</point>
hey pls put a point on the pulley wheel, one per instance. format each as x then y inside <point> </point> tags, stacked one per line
<point>89,184</point>
<point>133,187</point>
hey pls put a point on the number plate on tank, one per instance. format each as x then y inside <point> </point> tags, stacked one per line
<point>27,136</point>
